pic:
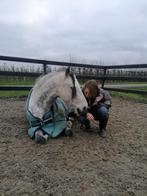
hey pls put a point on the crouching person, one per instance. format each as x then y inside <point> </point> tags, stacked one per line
<point>99,102</point>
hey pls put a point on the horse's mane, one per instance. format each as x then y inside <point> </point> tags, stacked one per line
<point>42,79</point>
<point>49,73</point>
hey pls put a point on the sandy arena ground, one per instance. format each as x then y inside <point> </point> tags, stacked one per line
<point>84,164</point>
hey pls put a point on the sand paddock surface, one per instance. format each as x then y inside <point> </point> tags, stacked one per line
<point>83,164</point>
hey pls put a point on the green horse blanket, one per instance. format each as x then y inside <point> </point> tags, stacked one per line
<point>53,122</point>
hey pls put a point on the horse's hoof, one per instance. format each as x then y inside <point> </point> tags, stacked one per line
<point>41,139</point>
<point>68,132</point>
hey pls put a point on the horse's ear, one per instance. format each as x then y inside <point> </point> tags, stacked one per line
<point>67,71</point>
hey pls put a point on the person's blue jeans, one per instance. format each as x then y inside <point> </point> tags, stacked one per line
<point>100,113</point>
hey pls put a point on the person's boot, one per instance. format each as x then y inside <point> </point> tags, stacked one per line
<point>102,133</point>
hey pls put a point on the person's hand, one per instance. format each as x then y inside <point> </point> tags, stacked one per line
<point>89,116</point>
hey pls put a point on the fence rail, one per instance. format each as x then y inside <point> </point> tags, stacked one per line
<point>28,74</point>
<point>46,62</point>
<point>33,74</point>
<point>102,77</point>
<point>130,66</point>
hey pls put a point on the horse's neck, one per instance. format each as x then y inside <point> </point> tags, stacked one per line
<point>41,100</point>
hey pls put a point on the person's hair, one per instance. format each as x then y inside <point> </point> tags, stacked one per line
<point>92,85</point>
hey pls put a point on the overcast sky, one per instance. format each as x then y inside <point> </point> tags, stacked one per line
<point>91,31</point>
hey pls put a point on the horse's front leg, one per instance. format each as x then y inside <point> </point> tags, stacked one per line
<point>41,137</point>
<point>68,129</point>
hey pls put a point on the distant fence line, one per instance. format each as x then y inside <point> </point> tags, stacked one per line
<point>103,77</point>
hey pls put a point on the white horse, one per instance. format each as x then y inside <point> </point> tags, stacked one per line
<point>63,84</point>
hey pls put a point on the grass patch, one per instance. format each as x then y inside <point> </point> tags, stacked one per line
<point>143,88</point>
<point>6,94</point>
<point>130,96</point>
<point>15,83</point>
<point>123,82</point>
<point>12,81</point>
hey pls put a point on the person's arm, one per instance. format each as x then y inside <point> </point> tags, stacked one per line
<point>98,99</point>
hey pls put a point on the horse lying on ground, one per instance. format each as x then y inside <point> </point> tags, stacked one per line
<point>49,103</point>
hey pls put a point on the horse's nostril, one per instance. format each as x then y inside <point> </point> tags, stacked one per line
<point>78,110</point>
<point>84,109</point>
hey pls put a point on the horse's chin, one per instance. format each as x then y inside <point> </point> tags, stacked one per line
<point>79,112</point>
<point>74,111</point>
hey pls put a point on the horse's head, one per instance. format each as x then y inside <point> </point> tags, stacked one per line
<point>73,94</point>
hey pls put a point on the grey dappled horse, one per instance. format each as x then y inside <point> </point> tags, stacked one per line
<point>63,84</point>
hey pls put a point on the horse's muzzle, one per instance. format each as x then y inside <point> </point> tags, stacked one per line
<point>82,115</point>
<point>81,112</point>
